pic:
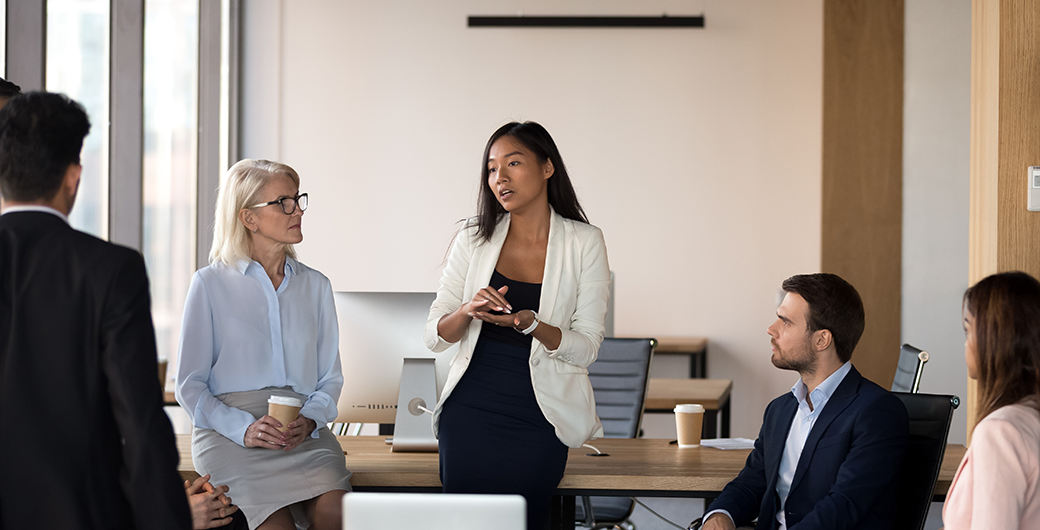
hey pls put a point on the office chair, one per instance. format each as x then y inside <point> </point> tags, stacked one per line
<point>619,381</point>
<point>930,416</point>
<point>909,369</point>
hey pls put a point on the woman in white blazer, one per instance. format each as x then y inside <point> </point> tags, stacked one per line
<point>524,293</point>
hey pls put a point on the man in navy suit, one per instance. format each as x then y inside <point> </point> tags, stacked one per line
<point>829,451</point>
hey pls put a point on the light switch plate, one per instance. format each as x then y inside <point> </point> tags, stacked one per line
<point>1033,187</point>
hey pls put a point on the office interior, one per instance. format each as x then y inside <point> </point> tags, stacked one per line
<point>697,151</point>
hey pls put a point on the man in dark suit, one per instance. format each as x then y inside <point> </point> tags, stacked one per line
<point>86,442</point>
<point>829,451</point>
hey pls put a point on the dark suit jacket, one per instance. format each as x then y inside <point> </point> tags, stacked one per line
<point>85,441</point>
<point>847,469</point>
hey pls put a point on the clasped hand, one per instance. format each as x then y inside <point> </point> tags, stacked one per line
<point>490,299</point>
<point>210,506</point>
<point>264,433</point>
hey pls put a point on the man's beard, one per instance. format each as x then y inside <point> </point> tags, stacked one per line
<point>805,363</point>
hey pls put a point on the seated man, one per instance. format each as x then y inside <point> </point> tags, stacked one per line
<point>828,452</point>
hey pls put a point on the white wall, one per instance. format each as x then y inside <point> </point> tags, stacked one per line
<point>935,191</point>
<point>697,151</point>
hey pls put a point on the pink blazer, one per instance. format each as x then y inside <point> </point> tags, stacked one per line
<point>996,483</point>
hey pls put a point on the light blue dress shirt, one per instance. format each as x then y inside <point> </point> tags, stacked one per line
<point>801,426</point>
<point>240,334</point>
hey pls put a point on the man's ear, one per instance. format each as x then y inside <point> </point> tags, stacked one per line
<point>822,339</point>
<point>70,185</point>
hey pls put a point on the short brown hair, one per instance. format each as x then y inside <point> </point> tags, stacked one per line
<point>1006,308</point>
<point>834,305</point>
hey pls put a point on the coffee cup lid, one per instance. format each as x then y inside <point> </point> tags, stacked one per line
<point>689,408</point>
<point>285,400</point>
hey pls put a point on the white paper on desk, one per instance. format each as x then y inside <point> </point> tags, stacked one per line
<point>729,443</point>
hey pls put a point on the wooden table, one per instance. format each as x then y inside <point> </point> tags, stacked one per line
<point>662,395</point>
<point>636,467</point>
<point>695,347</point>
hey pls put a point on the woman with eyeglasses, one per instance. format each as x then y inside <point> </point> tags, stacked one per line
<point>997,484</point>
<point>259,324</point>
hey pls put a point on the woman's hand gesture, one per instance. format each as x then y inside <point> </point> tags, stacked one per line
<point>487,300</point>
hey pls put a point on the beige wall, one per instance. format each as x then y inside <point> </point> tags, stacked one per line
<point>935,192</point>
<point>696,151</point>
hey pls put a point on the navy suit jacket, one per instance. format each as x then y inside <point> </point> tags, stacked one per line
<point>846,473</point>
<point>86,444</point>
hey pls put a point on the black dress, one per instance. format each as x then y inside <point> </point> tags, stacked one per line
<point>493,436</point>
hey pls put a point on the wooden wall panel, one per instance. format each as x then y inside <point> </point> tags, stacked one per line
<point>1005,140</point>
<point>863,167</point>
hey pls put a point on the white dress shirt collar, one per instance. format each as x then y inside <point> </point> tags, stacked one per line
<point>35,208</point>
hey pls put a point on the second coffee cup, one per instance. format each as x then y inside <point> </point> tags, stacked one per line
<point>689,419</point>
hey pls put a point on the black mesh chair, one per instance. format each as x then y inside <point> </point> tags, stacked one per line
<point>618,378</point>
<point>909,369</point>
<point>930,416</point>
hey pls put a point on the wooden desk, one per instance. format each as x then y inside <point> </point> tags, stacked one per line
<point>662,395</point>
<point>951,461</point>
<point>695,347</point>
<point>642,466</point>
<point>636,467</point>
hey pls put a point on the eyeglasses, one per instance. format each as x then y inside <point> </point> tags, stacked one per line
<point>288,204</point>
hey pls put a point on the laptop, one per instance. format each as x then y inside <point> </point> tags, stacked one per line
<point>433,511</point>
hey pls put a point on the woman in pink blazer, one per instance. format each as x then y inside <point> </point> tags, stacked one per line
<point>996,484</point>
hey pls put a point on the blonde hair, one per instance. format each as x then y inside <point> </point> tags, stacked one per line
<point>242,186</point>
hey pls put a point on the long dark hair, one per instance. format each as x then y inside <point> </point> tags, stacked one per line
<point>560,190</point>
<point>1006,308</point>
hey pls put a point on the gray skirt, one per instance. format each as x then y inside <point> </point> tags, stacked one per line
<point>262,481</point>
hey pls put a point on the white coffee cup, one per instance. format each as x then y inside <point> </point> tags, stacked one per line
<point>284,409</point>
<point>689,420</point>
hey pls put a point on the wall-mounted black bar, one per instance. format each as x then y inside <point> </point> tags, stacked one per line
<point>585,22</point>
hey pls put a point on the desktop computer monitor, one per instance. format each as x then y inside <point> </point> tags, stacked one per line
<point>377,331</point>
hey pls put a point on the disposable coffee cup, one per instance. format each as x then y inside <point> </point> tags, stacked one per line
<point>284,409</point>
<point>689,419</point>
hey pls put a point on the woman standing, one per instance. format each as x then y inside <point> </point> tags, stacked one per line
<point>257,324</point>
<point>524,292</point>
<point>996,485</point>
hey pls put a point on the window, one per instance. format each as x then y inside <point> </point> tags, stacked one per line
<point>77,65</point>
<point>171,52</point>
<point>3,38</point>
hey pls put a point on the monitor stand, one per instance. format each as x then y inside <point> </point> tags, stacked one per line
<point>413,432</point>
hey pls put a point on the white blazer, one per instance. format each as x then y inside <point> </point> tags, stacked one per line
<point>574,295</point>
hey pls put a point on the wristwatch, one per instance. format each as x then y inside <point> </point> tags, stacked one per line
<point>534,325</point>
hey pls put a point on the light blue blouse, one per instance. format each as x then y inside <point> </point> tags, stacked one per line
<point>240,334</point>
